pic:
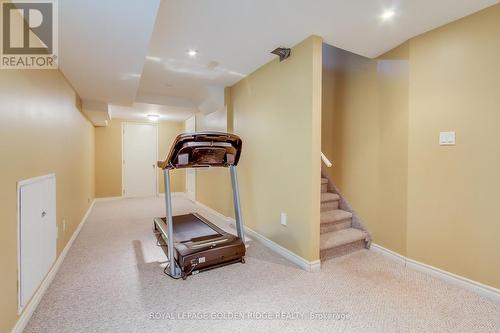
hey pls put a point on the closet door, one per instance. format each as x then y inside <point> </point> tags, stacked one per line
<point>140,147</point>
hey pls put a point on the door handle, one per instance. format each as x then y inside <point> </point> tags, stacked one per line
<point>43,214</point>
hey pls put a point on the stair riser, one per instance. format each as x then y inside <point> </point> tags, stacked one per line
<point>334,216</point>
<point>335,226</point>
<point>342,250</point>
<point>329,205</point>
<point>324,188</point>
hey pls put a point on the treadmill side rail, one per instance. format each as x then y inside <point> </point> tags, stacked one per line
<point>236,202</point>
<point>174,271</point>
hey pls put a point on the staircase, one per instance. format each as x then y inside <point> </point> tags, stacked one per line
<point>339,236</point>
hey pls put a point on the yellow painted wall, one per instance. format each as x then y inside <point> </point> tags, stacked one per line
<point>277,113</point>
<point>41,132</point>
<point>393,95</point>
<point>364,133</point>
<point>213,189</point>
<point>213,185</point>
<point>453,218</point>
<point>108,160</point>
<point>167,131</point>
<point>350,131</point>
<point>381,126</point>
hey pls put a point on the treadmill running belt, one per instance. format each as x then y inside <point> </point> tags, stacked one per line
<point>188,227</point>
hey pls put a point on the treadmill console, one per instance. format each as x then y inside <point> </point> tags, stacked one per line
<point>203,149</point>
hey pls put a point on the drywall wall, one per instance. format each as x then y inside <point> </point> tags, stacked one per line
<point>213,185</point>
<point>393,95</point>
<point>277,113</point>
<point>453,219</point>
<point>108,160</point>
<point>350,135</point>
<point>364,134</point>
<point>167,131</point>
<point>41,131</point>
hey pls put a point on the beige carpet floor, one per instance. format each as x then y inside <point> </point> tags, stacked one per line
<point>112,281</point>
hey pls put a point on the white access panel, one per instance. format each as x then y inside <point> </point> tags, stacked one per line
<point>140,154</point>
<point>190,126</point>
<point>37,233</point>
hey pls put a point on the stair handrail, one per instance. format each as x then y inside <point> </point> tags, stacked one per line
<point>326,160</point>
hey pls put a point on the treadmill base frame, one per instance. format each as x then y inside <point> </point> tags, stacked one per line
<point>186,262</point>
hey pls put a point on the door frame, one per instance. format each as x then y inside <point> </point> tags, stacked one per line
<point>123,125</point>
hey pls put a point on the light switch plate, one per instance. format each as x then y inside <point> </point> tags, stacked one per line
<point>447,138</point>
<point>283,219</point>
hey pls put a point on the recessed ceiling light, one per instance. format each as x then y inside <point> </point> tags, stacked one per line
<point>387,15</point>
<point>153,117</point>
<point>155,59</point>
<point>192,53</point>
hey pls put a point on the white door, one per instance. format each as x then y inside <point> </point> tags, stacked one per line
<point>37,233</point>
<point>140,143</point>
<point>190,126</point>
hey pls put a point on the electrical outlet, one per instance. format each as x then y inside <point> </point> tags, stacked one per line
<point>283,219</point>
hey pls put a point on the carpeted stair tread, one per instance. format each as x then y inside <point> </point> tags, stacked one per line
<point>341,237</point>
<point>328,196</point>
<point>337,235</point>
<point>333,216</point>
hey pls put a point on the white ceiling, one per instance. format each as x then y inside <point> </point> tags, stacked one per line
<point>140,111</point>
<point>103,52</point>
<point>103,44</point>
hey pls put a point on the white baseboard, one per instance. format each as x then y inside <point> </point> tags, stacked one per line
<point>108,199</point>
<point>460,281</point>
<point>388,253</point>
<point>463,282</point>
<point>310,266</point>
<point>37,297</point>
<point>221,217</point>
<point>174,194</point>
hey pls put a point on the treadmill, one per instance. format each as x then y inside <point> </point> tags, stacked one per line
<point>191,242</point>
